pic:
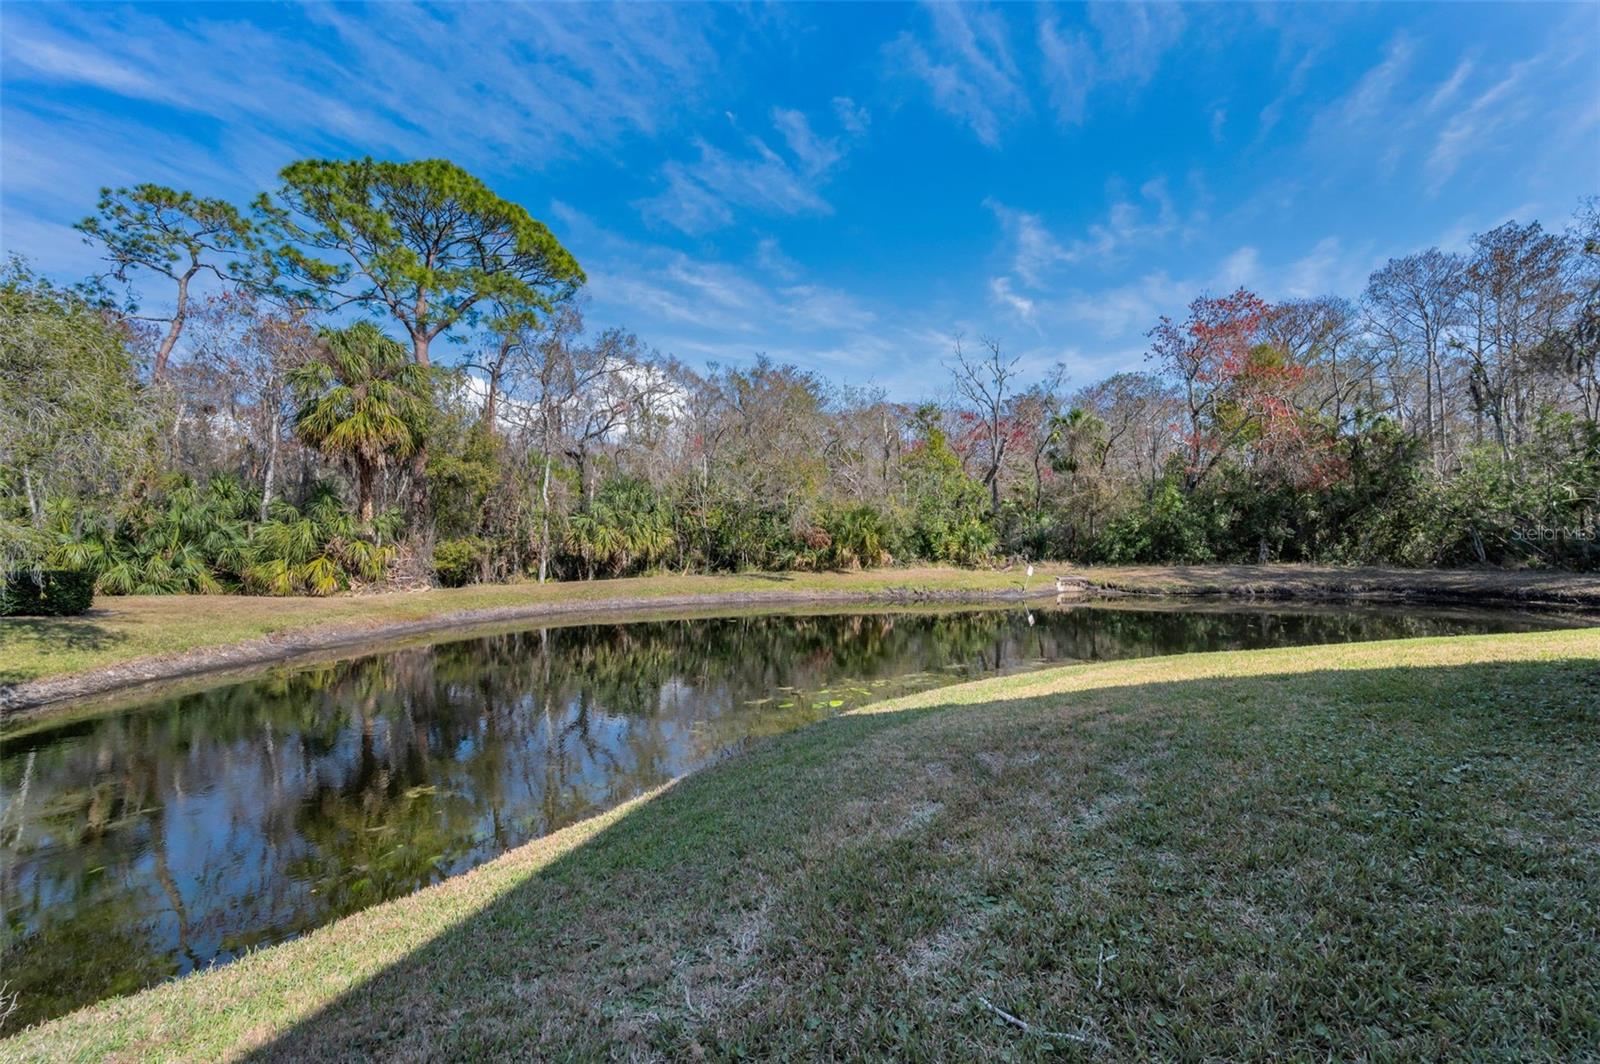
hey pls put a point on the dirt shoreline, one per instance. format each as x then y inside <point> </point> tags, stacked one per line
<point>1572,593</point>
<point>1533,590</point>
<point>33,698</point>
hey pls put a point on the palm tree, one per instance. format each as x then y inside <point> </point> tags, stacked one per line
<point>362,401</point>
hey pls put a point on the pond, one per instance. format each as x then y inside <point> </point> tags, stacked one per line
<point>141,842</point>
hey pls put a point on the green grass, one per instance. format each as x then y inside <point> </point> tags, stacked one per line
<point>123,629</point>
<point>1386,850</point>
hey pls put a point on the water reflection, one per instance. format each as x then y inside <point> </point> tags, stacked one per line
<point>147,842</point>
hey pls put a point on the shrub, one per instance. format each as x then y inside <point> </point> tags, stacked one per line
<point>1168,528</point>
<point>47,593</point>
<point>458,562</point>
<point>856,538</point>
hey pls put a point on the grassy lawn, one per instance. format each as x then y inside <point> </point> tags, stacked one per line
<point>1386,850</point>
<point>121,629</point>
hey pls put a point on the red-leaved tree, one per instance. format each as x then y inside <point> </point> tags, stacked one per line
<point>1208,354</point>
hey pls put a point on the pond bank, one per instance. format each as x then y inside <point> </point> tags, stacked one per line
<point>1146,858</point>
<point>130,641</point>
<point>1525,589</point>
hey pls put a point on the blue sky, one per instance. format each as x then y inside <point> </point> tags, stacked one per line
<point>845,186</point>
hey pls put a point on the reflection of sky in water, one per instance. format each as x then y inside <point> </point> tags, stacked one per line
<point>148,841</point>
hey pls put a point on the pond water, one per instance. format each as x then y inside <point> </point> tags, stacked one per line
<point>142,842</point>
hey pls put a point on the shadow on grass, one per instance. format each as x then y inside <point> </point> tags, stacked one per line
<point>53,635</point>
<point>1284,864</point>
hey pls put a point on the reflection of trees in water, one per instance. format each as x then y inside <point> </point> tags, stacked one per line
<point>153,840</point>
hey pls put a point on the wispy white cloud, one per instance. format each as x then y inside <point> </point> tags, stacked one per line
<point>852,116</point>
<point>1241,269</point>
<point>1129,42</point>
<point>967,65</point>
<point>62,153</point>
<point>700,309</point>
<point>1294,85</point>
<point>1035,251</point>
<point>54,159</point>
<point>771,258</point>
<point>1398,118</point>
<point>215,101</point>
<point>62,62</point>
<point>1070,69</point>
<point>24,235</point>
<point>1123,312</point>
<point>1316,272</point>
<point>702,195</point>
<point>1451,86</point>
<point>1152,217</point>
<point>1475,125</point>
<point>1119,315</point>
<point>705,194</point>
<point>1372,100</point>
<point>1000,288</point>
<point>1457,237</point>
<point>611,104</point>
<point>814,154</point>
<point>1134,37</point>
<point>1129,222</point>
<point>537,82</point>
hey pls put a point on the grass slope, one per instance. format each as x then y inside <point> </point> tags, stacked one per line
<point>1388,850</point>
<point>122,629</point>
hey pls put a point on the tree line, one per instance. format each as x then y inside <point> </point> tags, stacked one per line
<point>251,400</point>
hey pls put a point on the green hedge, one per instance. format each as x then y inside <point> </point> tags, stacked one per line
<point>47,593</point>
